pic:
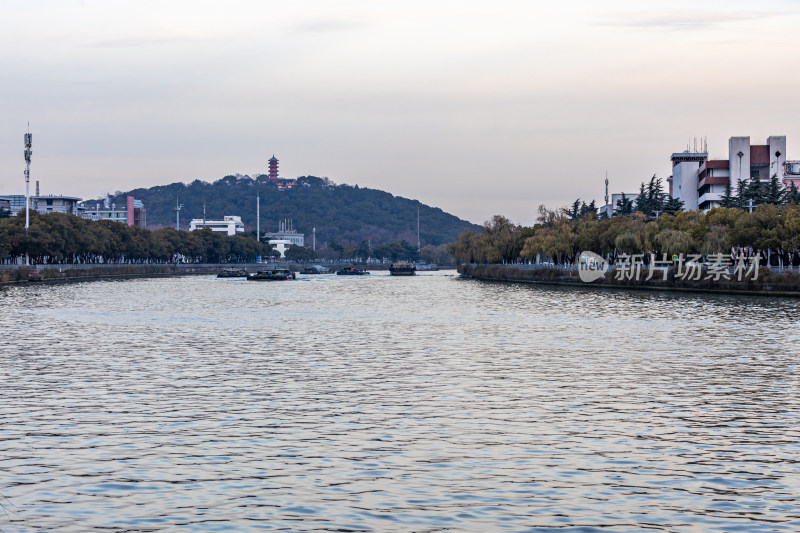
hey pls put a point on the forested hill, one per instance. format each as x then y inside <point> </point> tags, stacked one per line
<point>342,214</point>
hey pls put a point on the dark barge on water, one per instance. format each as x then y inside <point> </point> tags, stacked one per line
<point>233,273</point>
<point>402,269</point>
<point>351,271</point>
<point>272,275</point>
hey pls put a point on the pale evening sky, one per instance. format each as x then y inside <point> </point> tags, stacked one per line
<point>475,107</point>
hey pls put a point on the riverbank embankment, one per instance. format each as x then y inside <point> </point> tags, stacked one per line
<point>767,283</point>
<point>87,272</point>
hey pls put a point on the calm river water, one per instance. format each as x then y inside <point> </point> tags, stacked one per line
<point>374,403</point>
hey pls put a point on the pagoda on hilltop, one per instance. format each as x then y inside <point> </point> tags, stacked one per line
<point>281,183</point>
<point>273,168</point>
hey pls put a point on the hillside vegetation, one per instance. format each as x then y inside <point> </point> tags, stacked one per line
<point>342,214</point>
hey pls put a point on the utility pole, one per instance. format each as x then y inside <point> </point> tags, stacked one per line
<point>258,217</point>
<point>418,242</point>
<point>28,154</point>
<point>314,239</point>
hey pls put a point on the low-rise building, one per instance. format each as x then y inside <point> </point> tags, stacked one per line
<point>44,204</point>
<point>286,232</point>
<point>230,225</point>
<point>131,213</point>
<point>700,182</point>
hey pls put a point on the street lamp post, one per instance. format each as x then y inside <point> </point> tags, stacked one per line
<point>28,154</point>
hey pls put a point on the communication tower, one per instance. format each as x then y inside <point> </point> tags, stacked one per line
<point>178,207</point>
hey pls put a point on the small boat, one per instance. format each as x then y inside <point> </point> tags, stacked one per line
<point>402,269</point>
<point>427,267</point>
<point>351,271</point>
<point>316,269</point>
<point>233,273</point>
<point>272,275</point>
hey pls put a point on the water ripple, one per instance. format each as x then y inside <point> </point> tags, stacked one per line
<point>394,404</point>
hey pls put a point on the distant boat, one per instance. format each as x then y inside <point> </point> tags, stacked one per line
<point>427,267</point>
<point>316,269</point>
<point>351,271</point>
<point>233,273</point>
<point>402,269</point>
<point>272,275</point>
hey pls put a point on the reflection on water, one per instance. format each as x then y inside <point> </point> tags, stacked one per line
<point>394,404</point>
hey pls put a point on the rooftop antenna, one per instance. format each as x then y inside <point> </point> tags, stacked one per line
<point>178,207</point>
<point>28,154</point>
<point>606,187</point>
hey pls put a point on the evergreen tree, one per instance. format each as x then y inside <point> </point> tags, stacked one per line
<point>774,192</point>
<point>624,206</point>
<point>651,197</point>
<point>574,212</point>
<point>741,194</point>
<point>655,195</point>
<point>754,192</point>
<point>728,200</point>
<point>641,200</point>
<point>792,195</point>
<point>672,206</point>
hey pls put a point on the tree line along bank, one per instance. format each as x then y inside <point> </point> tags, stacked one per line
<point>56,238</point>
<point>771,230</point>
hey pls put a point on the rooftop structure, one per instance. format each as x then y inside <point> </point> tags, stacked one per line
<point>791,173</point>
<point>230,225</point>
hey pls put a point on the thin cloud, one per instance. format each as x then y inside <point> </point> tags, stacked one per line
<point>682,21</point>
<point>146,40</point>
<point>329,25</point>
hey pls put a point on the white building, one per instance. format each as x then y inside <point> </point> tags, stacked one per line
<point>44,204</point>
<point>229,225</point>
<point>286,232</point>
<point>700,182</point>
